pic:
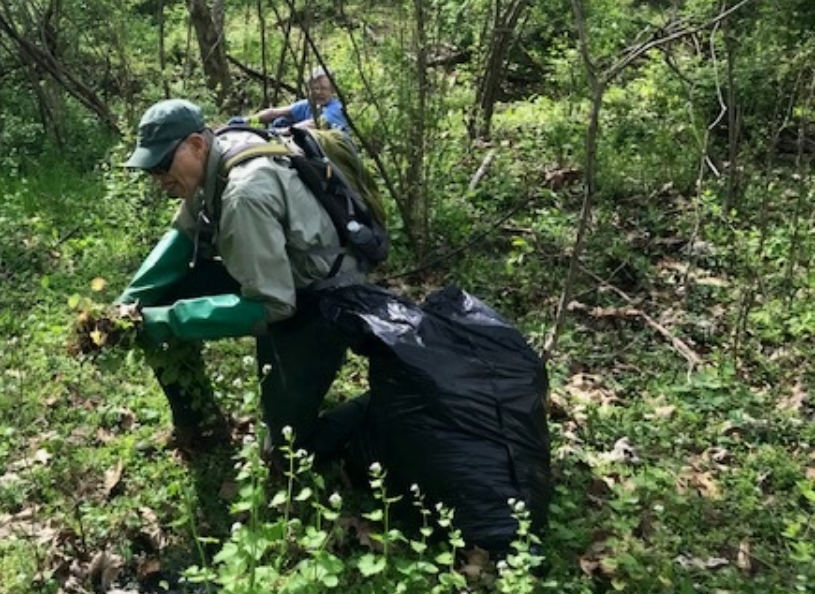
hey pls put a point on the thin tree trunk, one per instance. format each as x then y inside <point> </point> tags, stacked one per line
<point>213,51</point>
<point>503,34</point>
<point>733,191</point>
<point>263,51</point>
<point>415,173</point>
<point>162,55</point>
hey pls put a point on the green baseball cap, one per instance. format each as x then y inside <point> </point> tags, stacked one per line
<point>161,128</point>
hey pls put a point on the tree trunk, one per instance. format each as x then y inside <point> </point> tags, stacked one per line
<point>162,55</point>
<point>503,34</point>
<point>213,51</point>
<point>416,169</point>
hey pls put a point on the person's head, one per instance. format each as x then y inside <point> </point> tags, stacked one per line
<point>173,146</point>
<point>319,86</point>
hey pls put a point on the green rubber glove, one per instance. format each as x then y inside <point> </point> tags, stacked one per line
<point>168,263</point>
<point>204,318</point>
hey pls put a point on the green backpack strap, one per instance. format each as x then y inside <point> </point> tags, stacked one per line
<point>244,152</point>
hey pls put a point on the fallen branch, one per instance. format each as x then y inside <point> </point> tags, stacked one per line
<point>482,170</point>
<point>683,349</point>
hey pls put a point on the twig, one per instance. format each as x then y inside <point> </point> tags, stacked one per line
<point>65,237</point>
<point>482,170</point>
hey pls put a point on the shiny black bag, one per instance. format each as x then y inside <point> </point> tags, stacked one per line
<point>457,405</point>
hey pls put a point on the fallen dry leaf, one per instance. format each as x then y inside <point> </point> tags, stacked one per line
<point>600,489</point>
<point>148,567</point>
<point>25,524</point>
<point>702,481</point>
<point>717,456</point>
<point>10,478</point>
<point>104,436</point>
<point>744,559</point>
<point>556,407</point>
<point>589,389</point>
<point>40,456</point>
<point>362,530</point>
<point>151,529</point>
<point>623,452</point>
<point>98,284</point>
<point>475,564</point>
<point>591,562</point>
<point>104,569</point>
<point>588,565</point>
<point>699,563</point>
<point>113,476</point>
<point>664,412</point>
<point>794,401</point>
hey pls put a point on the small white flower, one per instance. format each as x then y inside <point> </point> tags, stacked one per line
<point>301,453</point>
<point>414,488</point>
<point>439,507</point>
<point>375,468</point>
<point>248,361</point>
<point>237,382</point>
<point>511,502</point>
<point>502,566</point>
<point>287,432</point>
<point>520,506</point>
<point>335,500</point>
<point>267,369</point>
<point>236,526</point>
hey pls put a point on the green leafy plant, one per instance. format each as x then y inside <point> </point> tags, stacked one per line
<point>799,533</point>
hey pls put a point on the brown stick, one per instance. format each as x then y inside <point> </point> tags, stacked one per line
<point>683,349</point>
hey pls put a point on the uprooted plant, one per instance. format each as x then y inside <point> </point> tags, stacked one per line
<point>99,327</point>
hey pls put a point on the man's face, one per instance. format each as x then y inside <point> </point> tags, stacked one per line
<point>321,90</point>
<point>184,172</point>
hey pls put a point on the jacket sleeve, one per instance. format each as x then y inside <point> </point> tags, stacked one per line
<point>205,318</point>
<point>167,264</point>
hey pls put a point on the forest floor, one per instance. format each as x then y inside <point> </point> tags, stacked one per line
<point>682,449</point>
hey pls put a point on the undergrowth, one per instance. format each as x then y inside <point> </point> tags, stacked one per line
<point>681,413</point>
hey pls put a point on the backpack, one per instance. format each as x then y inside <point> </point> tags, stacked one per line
<point>328,164</point>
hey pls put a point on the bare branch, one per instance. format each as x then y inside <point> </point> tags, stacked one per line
<point>639,50</point>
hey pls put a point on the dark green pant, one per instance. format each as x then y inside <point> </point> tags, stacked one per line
<point>298,361</point>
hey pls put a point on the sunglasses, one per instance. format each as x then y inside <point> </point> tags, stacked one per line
<point>166,162</point>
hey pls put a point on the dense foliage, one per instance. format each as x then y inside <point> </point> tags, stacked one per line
<point>629,181</point>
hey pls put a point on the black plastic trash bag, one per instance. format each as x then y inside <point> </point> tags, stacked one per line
<point>456,406</point>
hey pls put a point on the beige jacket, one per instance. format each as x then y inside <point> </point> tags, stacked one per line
<point>273,235</point>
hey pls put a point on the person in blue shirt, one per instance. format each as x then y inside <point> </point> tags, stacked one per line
<point>330,112</point>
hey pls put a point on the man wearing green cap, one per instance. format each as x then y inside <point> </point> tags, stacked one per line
<point>249,253</point>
